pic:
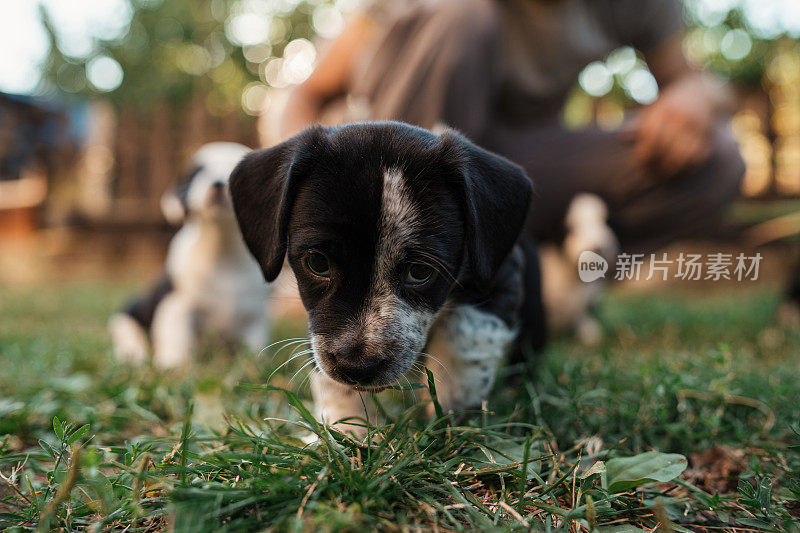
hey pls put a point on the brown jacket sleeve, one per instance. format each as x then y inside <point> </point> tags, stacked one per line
<point>438,63</point>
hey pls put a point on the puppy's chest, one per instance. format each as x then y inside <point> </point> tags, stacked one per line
<point>212,273</point>
<point>227,283</point>
<point>470,335</point>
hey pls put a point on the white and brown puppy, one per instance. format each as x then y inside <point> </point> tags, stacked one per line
<point>403,245</point>
<point>568,301</point>
<point>211,282</point>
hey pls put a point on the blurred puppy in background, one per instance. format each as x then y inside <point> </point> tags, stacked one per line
<point>569,301</point>
<point>211,282</point>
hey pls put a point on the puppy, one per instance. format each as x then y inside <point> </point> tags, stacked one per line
<point>403,245</point>
<point>568,301</point>
<point>211,282</point>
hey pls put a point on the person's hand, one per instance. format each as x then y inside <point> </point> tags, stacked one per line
<point>673,134</point>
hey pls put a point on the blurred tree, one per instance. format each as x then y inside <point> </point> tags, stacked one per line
<point>176,74</point>
<point>733,44</point>
<point>175,50</point>
<point>737,40</point>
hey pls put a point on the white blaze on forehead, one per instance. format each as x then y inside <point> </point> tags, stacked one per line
<point>386,318</point>
<point>387,315</point>
<point>399,220</point>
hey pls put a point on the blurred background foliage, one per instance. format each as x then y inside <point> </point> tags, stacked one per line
<point>234,51</point>
<point>171,50</point>
<point>141,84</point>
<point>740,41</point>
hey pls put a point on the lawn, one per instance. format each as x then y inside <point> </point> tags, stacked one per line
<point>597,439</point>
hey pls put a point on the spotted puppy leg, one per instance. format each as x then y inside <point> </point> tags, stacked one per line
<point>334,402</point>
<point>464,350</point>
<point>129,338</point>
<point>173,332</point>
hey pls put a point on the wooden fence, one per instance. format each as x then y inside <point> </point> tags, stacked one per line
<point>131,158</point>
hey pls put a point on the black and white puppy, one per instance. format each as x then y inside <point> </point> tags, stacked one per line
<point>211,282</point>
<point>403,245</point>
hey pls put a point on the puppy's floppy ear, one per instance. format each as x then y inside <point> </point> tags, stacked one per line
<point>172,208</point>
<point>263,189</point>
<point>495,195</point>
<point>174,201</point>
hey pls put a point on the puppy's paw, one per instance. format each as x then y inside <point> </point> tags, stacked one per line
<point>170,359</point>
<point>129,339</point>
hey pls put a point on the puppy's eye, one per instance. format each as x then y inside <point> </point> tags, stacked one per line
<point>318,264</point>
<point>418,274</point>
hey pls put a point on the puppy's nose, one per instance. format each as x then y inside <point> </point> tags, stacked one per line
<point>218,185</point>
<point>359,371</point>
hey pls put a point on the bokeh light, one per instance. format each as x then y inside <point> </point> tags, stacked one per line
<point>271,72</point>
<point>765,18</point>
<point>736,44</point>
<point>640,85</point>
<point>255,98</point>
<point>596,79</point>
<point>19,70</point>
<point>193,59</point>
<point>712,12</point>
<point>247,29</point>
<point>278,31</point>
<point>104,73</point>
<point>257,53</point>
<point>622,60</point>
<point>328,21</point>
<point>299,56</point>
<point>71,78</point>
<point>81,22</point>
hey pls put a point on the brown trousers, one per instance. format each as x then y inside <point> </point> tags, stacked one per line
<point>646,210</point>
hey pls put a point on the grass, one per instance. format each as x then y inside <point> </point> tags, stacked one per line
<point>596,440</point>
